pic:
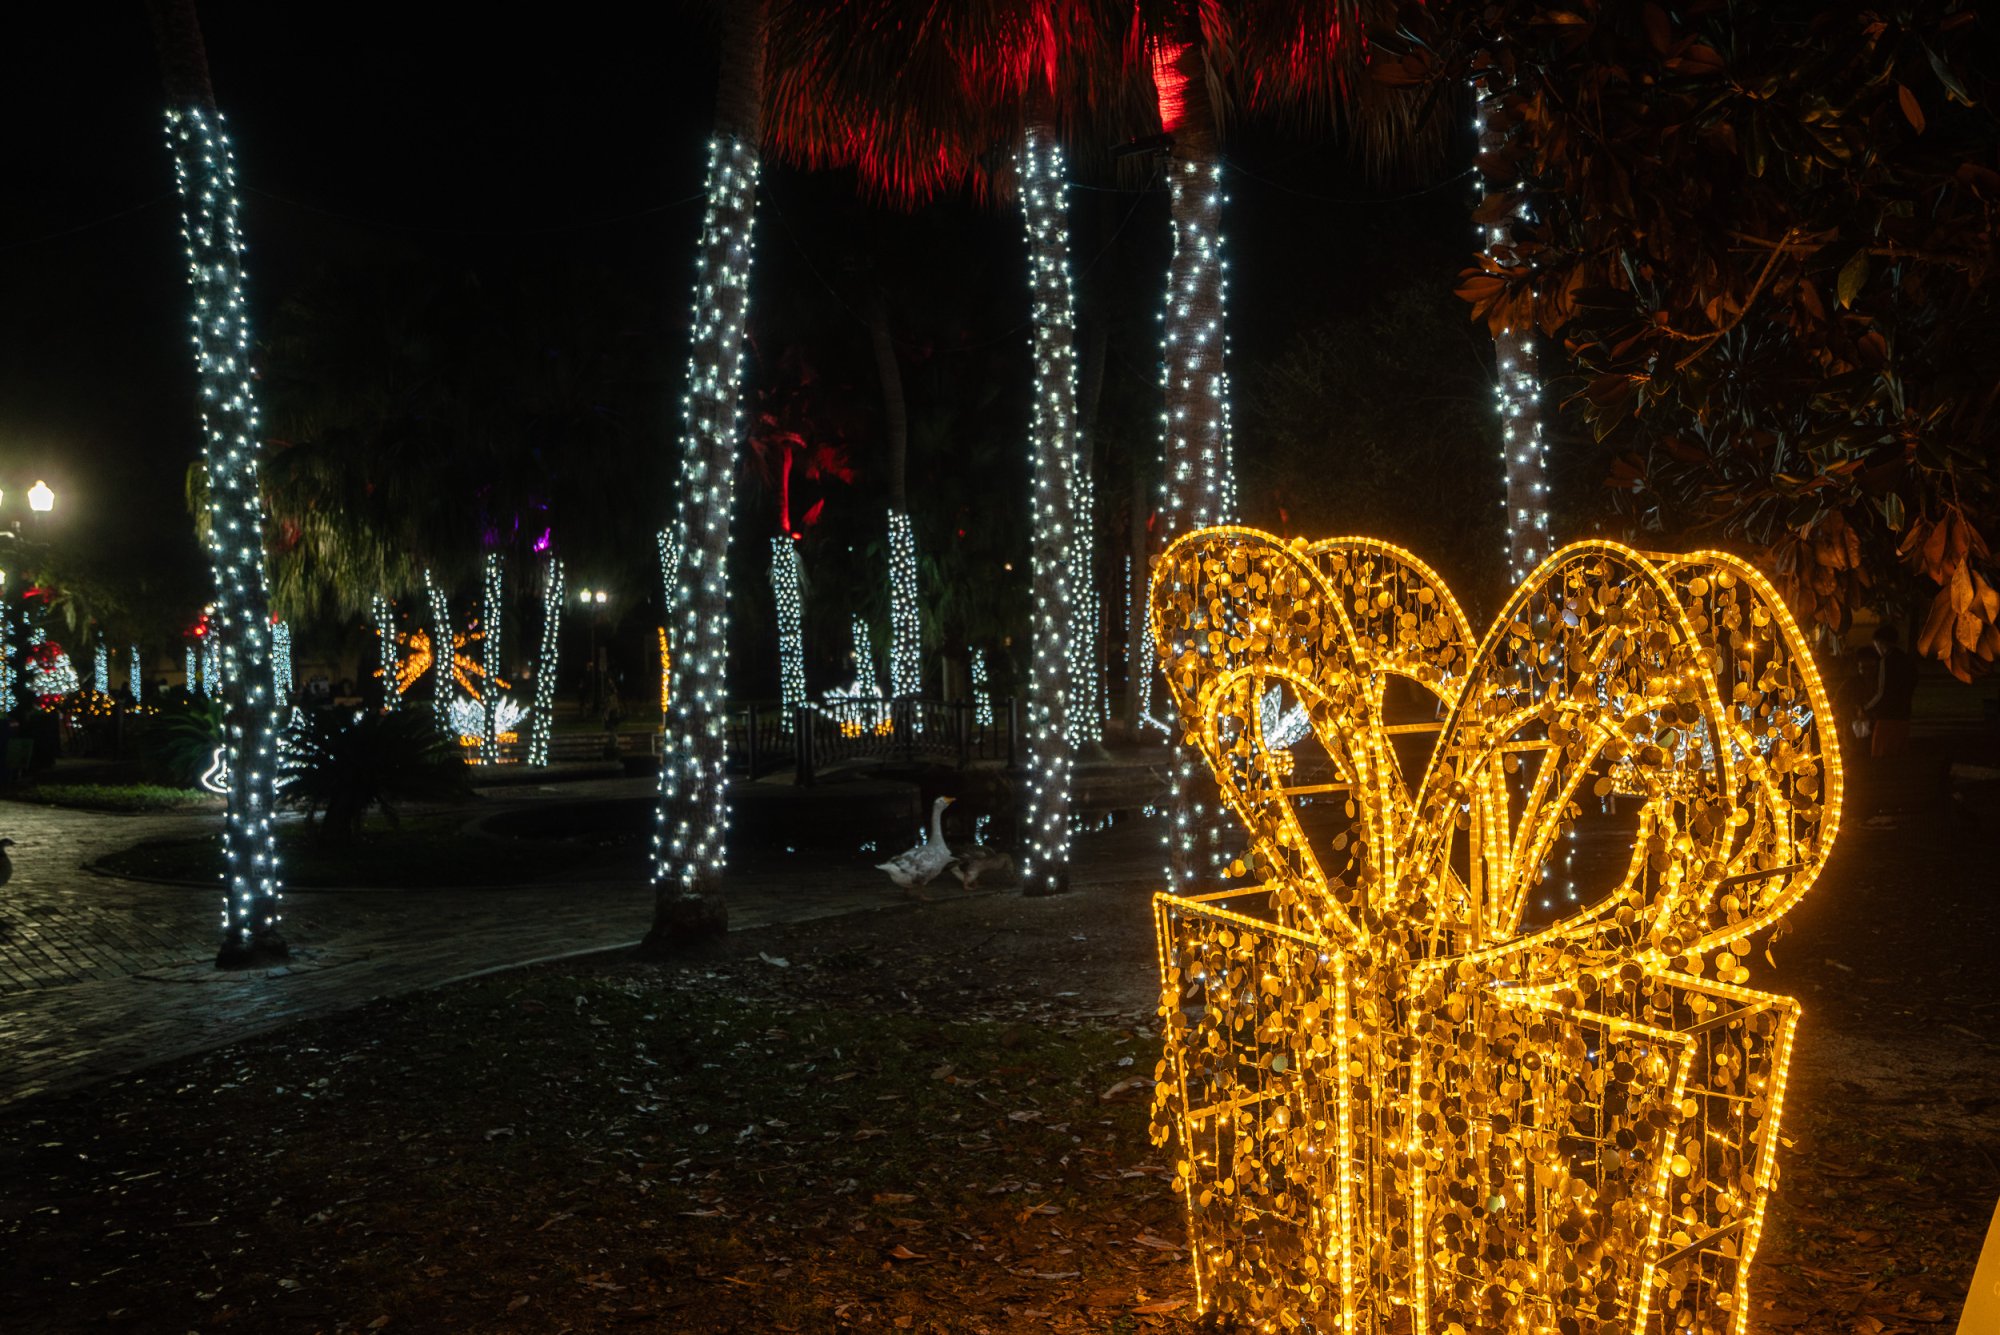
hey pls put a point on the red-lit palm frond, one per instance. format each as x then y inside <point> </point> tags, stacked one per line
<point>1307,61</point>
<point>923,97</point>
<point>1301,61</point>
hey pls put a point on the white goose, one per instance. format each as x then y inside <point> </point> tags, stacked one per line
<point>920,866</point>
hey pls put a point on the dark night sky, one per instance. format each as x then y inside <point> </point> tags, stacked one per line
<point>453,135</point>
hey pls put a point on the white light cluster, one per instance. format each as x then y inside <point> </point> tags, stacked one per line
<point>541,722</point>
<point>56,677</point>
<point>1200,484</point>
<point>982,695</point>
<point>670,567</point>
<point>860,702</point>
<point>205,174</point>
<point>193,671</point>
<point>1085,718</point>
<point>444,658</point>
<point>1052,482</point>
<point>864,684</point>
<point>7,661</point>
<point>490,612</point>
<point>785,583</point>
<point>281,659</point>
<point>213,682</point>
<point>469,717</point>
<point>690,837</point>
<point>135,678</point>
<point>906,629</point>
<point>100,669</point>
<point>386,666</point>
<point>1517,388</point>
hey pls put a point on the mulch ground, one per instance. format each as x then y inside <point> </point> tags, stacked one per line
<point>925,1120</point>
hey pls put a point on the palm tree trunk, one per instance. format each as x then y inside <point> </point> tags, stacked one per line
<point>444,658</point>
<point>1088,686</point>
<point>895,407</point>
<point>211,228</point>
<point>690,850</point>
<point>542,724</point>
<point>1517,372</point>
<point>1052,464</point>
<point>385,651</point>
<point>1139,655</point>
<point>786,593</point>
<point>1200,486</point>
<point>490,618</point>
<point>906,636</point>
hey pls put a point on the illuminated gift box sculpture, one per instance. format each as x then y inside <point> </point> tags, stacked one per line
<point>1410,1098</point>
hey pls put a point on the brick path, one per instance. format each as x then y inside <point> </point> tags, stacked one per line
<point>100,976</point>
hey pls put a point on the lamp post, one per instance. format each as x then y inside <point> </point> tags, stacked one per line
<point>594,600</point>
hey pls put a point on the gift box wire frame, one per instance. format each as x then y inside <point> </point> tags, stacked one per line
<point>1622,1194</point>
<point>1600,1152</point>
<point>1256,1021</point>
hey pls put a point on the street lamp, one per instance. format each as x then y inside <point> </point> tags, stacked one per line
<point>40,499</point>
<point>595,599</point>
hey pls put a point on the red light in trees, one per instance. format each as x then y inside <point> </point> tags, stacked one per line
<point>1169,83</point>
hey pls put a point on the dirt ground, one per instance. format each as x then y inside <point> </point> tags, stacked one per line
<point>927,1119</point>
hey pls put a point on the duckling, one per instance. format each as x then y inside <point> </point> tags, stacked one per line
<point>920,865</point>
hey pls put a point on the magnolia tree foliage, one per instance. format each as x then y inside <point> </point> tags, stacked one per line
<point>1763,235</point>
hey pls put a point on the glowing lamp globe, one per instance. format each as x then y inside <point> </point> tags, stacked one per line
<point>1409,1090</point>
<point>40,499</point>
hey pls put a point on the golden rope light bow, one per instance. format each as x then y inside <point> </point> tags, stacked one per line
<point>1406,1097</point>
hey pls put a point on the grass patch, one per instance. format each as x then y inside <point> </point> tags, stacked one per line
<point>431,849</point>
<point>552,1151</point>
<point>131,797</point>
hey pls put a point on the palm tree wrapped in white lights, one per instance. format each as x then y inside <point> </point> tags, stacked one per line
<point>211,210</point>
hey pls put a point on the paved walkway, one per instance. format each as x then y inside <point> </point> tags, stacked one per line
<point>101,976</point>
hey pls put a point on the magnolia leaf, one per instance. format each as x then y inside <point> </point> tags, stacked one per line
<point>1911,110</point>
<point>1948,79</point>
<point>1852,275</point>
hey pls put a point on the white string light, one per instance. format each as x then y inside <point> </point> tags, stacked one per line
<point>281,659</point>
<point>205,175</point>
<point>135,679</point>
<point>1052,468</point>
<point>982,696</point>
<point>100,669</point>
<point>906,630</point>
<point>690,837</point>
<point>785,581</point>
<point>1199,489</point>
<point>490,613</point>
<point>444,656</point>
<point>541,721</point>
<point>212,681</point>
<point>1517,385</point>
<point>1086,683</point>
<point>193,672</point>
<point>386,666</point>
<point>7,661</point>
